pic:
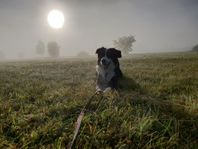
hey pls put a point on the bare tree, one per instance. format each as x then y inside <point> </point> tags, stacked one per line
<point>125,44</point>
<point>195,48</point>
<point>53,49</point>
<point>83,54</point>
<point>40,48</point>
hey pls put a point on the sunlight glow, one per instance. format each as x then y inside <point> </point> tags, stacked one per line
<point>56,19</point>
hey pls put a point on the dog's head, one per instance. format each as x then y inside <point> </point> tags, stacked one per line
<point>108,56</point>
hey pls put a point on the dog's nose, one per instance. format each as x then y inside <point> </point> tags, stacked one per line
<point>103,61</point>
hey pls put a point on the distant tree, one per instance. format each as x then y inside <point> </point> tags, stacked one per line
<point>125,44</point>
<point>20,55</point>
<point>40,48</point>
<point>195,48</point>
<point>2,56</point>
<point>83,54</point>
<point>53,49</point>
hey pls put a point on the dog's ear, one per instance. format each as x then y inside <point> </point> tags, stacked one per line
<point>116,53</point>
<point>100,50</point>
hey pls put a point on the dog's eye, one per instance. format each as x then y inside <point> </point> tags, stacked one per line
<point>101,54</point>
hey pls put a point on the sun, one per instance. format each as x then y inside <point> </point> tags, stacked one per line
<point>56,19</point>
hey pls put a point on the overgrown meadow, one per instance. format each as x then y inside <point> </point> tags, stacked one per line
<point>156,106</point>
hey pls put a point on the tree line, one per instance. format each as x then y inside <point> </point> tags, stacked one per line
<point>124,44</point>
<point>52,48</point>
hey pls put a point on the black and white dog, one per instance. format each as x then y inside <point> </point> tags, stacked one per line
<point>108,69</point>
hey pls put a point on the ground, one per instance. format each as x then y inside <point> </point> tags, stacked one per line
<point>156,106</point>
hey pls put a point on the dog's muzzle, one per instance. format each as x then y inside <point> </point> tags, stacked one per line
<point>104,61</point>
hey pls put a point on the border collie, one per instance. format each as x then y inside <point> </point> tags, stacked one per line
<point>108,69</point>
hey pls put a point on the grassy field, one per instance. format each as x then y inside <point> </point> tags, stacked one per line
<point>156,107</point>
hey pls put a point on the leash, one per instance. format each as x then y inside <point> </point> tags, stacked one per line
<point>79,120</point>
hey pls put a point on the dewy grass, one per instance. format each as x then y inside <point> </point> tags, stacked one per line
<point>156,106</point>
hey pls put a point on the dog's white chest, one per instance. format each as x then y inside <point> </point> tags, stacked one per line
<point>104,76</point>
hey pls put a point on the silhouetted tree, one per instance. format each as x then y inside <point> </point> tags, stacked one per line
<point>40,48</point>
<point>20,55</point>
<point>195,48</point>
<point>125,44</point>
<point>53,49</point>
<point>2,56</point>
<point>83,54</point>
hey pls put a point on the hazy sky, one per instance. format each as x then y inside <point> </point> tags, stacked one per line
<point>158,25</point>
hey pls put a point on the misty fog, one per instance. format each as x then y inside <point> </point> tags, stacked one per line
<point>158,25</point>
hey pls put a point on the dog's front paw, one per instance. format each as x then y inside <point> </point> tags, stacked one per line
<point>98,90</point>
<point>108,89</point>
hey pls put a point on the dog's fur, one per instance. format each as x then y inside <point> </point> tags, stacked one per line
<point>108,68</point>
